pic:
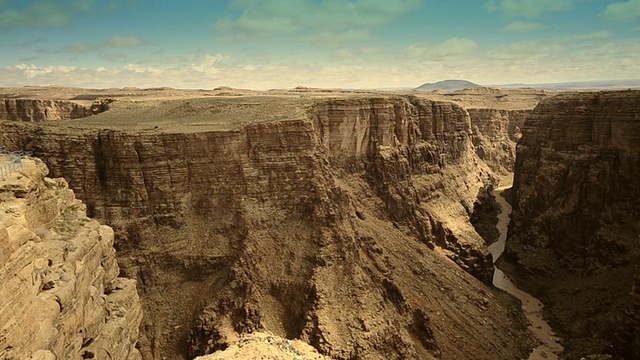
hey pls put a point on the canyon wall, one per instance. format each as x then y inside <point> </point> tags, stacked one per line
<point>495,134</point>
<point>347,228</point>
<point>60,294</point>
<point>35,110</point>
<point>574,235</point>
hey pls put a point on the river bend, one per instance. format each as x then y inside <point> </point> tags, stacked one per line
<point>550,346</point>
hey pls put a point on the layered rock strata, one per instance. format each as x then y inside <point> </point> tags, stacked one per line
<point>345,226</point>
<point>574,236</point>
<point>60,294</point>
<point>495,134</point>
<point>36,110</point>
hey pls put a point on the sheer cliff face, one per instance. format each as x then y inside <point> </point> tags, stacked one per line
<point>321,228</point>
<point>32,110</point>
<point>60,296</point>
<point>495,133</point>
<point>576,215</point>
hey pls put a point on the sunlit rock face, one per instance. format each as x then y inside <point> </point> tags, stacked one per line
<point>343,222</point>
<point>36,110</point>
<point>495,134</point>
<point>576,219</point>
<point>60,294</point>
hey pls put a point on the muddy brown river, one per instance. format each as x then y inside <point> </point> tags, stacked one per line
<point>550,346</point>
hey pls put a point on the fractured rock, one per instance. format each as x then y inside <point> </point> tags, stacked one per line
<point>60,294</point>
<point>342,222</point>
<point>576,218</point>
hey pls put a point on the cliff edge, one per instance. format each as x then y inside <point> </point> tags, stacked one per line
<point>60,294</point>
<point>574,234</point>
<point>342,221</point>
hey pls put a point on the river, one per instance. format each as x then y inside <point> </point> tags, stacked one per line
<point>550,346</point>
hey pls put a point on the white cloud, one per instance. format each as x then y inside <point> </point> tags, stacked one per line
<point>529,51</point>
<point>544,49</point>
<point>592,56</point>
<point>523,26</point>
<point>43,13</point>
<point>32,71</point>
<point>452,47</point>
<point>181,59</point>
<point>529,9</point>
<point>209,64</point>
<point>117,57</point>
<point>596,35</point>
<point>336,39</point>
<point>115,42</point>
<point>144,69</point>
<point>264,19</point>
<point>456,45</point>
<point>123,42</point>
<point>623,11</point>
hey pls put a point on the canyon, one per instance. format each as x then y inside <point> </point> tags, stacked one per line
<point>331,218</point>
<point>573,238</point>
<point>341,219</point>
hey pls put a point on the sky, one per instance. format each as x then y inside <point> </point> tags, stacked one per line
<point>266,44</point>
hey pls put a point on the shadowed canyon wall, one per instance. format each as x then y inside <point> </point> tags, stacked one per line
<point>329,228</point>
<point>574,235</point>
<point>60,294</point>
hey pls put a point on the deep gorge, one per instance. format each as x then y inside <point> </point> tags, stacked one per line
<point>346,225</point>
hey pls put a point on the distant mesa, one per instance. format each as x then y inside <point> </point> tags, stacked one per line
<point>221,88</point>
<point>447,85</point>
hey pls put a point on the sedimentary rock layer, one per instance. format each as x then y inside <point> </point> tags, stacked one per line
<point>495,134</point>
<point>60,294</point>
<point>34,110</point>
<point>345,226</point>
<point>576,219</point>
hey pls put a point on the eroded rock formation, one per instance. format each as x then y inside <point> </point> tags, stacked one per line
<point>36,110</point>
<point>60,294</point>
<point>345,226</point>
<point>574,235</point>
<point>495,134</point>
<point>261,345</point>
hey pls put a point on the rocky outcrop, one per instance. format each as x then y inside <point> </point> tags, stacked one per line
<point>495,134</point>
<point>33,110</point>
<point>261,345</point>
<point>574,231</point>
<point>330,228</point>
<point>417,157</point>
<point>60,294</point>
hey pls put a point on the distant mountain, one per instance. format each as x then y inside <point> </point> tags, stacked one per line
<point>447,85</point>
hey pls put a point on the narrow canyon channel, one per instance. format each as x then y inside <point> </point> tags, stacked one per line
<point>550,346</point>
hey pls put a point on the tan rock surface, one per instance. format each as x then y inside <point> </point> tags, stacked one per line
<point>60,297</point>
<point>35,110</point>
<point>266,346</point>
<point>495,134</point>
<point>574,232</point>
<point>338,220</point>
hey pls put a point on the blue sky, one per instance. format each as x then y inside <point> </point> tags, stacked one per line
<point>321,43</point>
